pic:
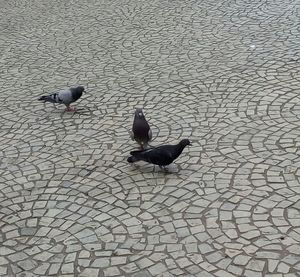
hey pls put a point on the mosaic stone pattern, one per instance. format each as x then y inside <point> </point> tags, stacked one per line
<point>224,74</point>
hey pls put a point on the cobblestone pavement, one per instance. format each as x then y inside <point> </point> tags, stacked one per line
<point>224,74</point>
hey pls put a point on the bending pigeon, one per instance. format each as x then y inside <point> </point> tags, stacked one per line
<point>141,131</point>
<point>66,97</point>
<point>161,155</point>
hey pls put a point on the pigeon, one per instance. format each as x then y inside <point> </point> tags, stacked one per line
<point>66,97</point>
<point>141,131</point>
<point>162,155</point>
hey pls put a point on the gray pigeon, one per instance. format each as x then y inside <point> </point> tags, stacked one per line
<point>141,131</point>
<point>161,155</point>
<point>66,97</point>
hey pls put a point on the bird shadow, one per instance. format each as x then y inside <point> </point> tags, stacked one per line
<point>153,169</point>
<point>77,111</point>
<point>83,111</point>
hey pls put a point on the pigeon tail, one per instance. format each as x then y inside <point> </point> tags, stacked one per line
<point>48,98</point>
<point>43,98</point>
<point>132,159</point>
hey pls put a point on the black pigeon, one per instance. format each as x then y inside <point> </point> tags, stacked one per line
<point>66,97</point>
<point>161,155</point>
<point>141,131</point>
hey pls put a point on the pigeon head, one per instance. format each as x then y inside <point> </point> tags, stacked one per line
<point>80,89</point>
<point>185,142</point>
<point>139,113</point>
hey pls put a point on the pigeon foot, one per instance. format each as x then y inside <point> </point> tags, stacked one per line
<point>70,109</point>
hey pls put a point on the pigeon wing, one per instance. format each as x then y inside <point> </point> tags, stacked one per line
<point>159,156</point>
<point>65,97</point>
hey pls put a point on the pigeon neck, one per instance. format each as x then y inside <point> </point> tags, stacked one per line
<point>77,95</point>
<point>179,149</point>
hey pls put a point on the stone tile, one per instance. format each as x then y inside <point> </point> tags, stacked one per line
<point>90,272</point>
<point>157,269</point>
<point>111,271</point>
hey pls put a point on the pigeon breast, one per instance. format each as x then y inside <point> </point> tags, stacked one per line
<point>140,130</point>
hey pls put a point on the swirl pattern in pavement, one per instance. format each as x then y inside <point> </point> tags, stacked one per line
<point>223,73</point>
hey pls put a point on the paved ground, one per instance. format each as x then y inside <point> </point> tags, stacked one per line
<point>223,73</point>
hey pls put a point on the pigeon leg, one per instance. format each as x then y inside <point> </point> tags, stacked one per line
<point>70,109</point>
